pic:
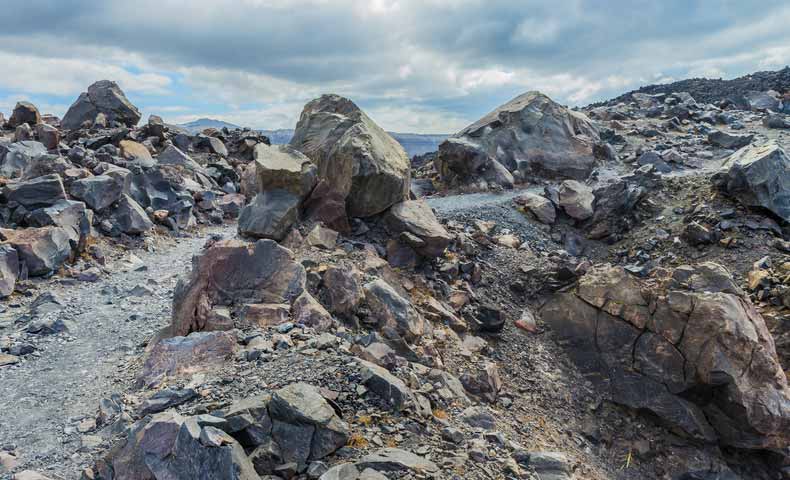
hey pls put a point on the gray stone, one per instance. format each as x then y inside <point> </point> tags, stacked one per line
<point>539,206</point>
<point>43,250</point>
<point>281,167</point>
<point>397,460</point>
<point>130,217</point>
<point>16,157</point>
<point>576,199</point>
<point>70,215</point>
<point>358,159</point>
<point>758,176</point>
<point>729,140</point>
<point>98,192</point>
<point>103,97</point>
<point>386,386</point>
<point>269,215</point>
<point>392,311</point>
<point>24,113</point>
<point>172,155</point>
<point>417,218</point>
<point>37,193</point>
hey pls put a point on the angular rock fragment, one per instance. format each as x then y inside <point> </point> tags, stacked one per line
<point>171,357</point>
<point>37,193</point>
<point>42,250</point>
<point>357,159</point>
<point>9,269</point>
<point>232,272</point>
<point>416,218</point>
<point>269,215</point>
<point>699,358</point>
<point>103,97</point>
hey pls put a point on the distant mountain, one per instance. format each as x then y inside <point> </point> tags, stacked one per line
<point>201,124</point>
<point>413,143</point>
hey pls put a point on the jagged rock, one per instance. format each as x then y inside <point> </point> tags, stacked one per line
<point>168,445</point>
<point>269,215</point>
<point>758,176</point>
<point>550,465</point>
<point>266,314</point>
<point>231,204</point>
<point>30,475</point>
<point>24,113</point>
<point>702,360</point>
<point>344,292</point>
<point>103,97</point>
<point>327,206</point>
<point>358,160</point>
<point>304,425</point>
<point>729,140</point>
<point>167,398</point>
<point>232,272</point>
<point>485,383</point>
<point>162,188</point>
<point>539,206</point>
<point>43,250</point>
<point>307,311</point>
<point>281,167</point>
<point>48,135</point>
<point>415,217</point>
<point>396,460</point>
<point>136,153</point>
<point>762,101</point>
<point>37,193</point>
<point>9,270</point>
<point>98,192</point>
<point>576,199</point>
<point>70,215</point>
<point>172,155</point>
<point>23,133</point>
<point>656,160</point>
<point>530,134</point>
<point>386,386</point>
<point>130,217</point>
<point>776,121</point>
<point>322,237</point>
<point>212,145</point>
<point>462,162</point>
<point>174,356</point>
<point>392,311</point>
<point>16,157</point>
<point>479,417</point>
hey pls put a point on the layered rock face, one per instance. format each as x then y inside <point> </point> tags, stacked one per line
<point>233,273</point>
<point>357,158</point>
<point>530,136</point>
<point>691,348</point>
<point>103,98</point>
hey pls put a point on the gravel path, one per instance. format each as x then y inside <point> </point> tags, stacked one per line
<point>44,398</point>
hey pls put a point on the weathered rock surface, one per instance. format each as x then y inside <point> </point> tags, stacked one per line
<point>531,134</point>
<point>269,215</point>
<point>233,273</point>
<point>282,167</point>
<point>24,113</point>
<point>43,250</point>
<point>357,159</point>
<point>729,140</point>
<point>40,192</point>
<point>416,218</point>
<point>701,359</point>
<point>17,157</point>
<point>539,206</point>
<point>130,217</point>
<point>103,97</point>
<point>758,176</point>
<point>98,192</point>
<point>394,312</point>
<point>576,199</point>
<point>171,357</point>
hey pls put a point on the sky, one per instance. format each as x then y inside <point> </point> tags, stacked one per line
<point>423,66</point>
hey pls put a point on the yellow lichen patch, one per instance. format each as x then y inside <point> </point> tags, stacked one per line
<point>356,440</point>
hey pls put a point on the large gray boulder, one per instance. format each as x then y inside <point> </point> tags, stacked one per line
<point>172,155</point>
<point>24,113</point>
<point>729,140</point>
<point>762,101</point>
<point>462,162</point>
<point>234,273</point>
<point>693,350</point>
<point>37,193</point>
<point>530,134</point>
<point>356,157</point>
<point>15,158</point>
<point>104,97</point>
<point>758,176</point>
<point>269,215</point>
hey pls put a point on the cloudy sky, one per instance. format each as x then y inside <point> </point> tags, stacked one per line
<point>428,66</point>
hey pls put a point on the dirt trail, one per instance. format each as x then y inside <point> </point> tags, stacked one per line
<point>43,400</point>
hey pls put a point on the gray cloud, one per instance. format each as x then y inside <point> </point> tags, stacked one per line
<point>436,59</point>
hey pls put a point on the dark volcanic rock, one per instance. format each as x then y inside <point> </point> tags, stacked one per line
<point>269,215</point>
<point>701,359</point>
<point>103,97</point>
<point>24,113</point>
<point>37,193</point>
